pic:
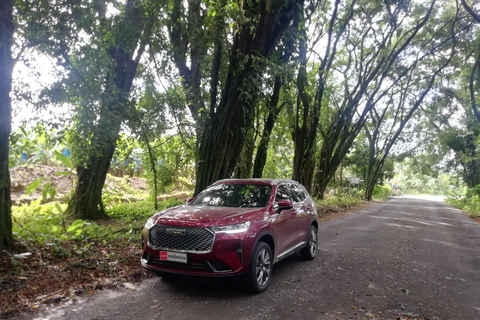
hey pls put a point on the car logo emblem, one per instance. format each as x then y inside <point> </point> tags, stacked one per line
<point>175,232</point>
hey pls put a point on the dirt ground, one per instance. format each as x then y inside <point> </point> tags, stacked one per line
<point>22,176</point>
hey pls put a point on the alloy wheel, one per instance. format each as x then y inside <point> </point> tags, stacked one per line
<point>313,242</point>
<point>263,267</point>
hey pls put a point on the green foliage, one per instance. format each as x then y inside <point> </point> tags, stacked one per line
<point>127,158</point>
<point>47,190</point>
<point>381,192</point>
<point>33,186</point>
<point>118,190</point>
<point>37,146</point>
<point>173,160</point>
<point>469,202</point>
<point>40,223</point>
<point>337,203</point>
<point>140,211</point>
<point>47,225</point>
<point>280,151</point>
<point>413,177</point>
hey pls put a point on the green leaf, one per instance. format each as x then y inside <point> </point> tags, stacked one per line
<point>59,209</point>
<point>54,229</point>
<point>46,190</point>
<point>63,173</point>
<point>76,225</point>
<point>63,158</point>
<point>33,186</point>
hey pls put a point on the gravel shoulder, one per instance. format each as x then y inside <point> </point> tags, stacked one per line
<point>407,258</point>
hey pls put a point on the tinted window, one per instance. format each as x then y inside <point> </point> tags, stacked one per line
<point>283,193</point>
<point>234,195</point>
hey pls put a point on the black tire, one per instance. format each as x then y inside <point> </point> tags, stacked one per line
<point>310,251</point>
<point>260,273</point>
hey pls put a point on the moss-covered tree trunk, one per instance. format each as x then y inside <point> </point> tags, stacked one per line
<point>86,202</point>
<point>6,67</point>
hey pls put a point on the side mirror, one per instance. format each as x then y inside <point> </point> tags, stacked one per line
<point>284,205</point>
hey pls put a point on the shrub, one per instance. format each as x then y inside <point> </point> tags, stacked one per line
<point>141,210</point>
<point>381,192</point>
<point>336,203</point>
<point>470,202</point>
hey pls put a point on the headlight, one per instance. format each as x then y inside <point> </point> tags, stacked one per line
<point>150,223</point>
<point>233,228</point>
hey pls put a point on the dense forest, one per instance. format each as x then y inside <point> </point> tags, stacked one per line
<point>188,92</point>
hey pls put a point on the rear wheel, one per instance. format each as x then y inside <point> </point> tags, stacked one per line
<point>260,272</point>
<point>310,251</point>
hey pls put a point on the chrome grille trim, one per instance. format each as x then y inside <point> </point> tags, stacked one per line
<point>182,239</point>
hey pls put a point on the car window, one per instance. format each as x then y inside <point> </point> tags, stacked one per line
<point>283,193</point>
<point>234,195</point>
<point>298,193</point>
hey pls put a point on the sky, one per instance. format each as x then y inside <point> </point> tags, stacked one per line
<point>31,76</point>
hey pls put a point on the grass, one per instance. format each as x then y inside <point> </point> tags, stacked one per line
<point>337,203</point>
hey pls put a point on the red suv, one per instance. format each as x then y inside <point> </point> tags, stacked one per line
<point>235,226</point>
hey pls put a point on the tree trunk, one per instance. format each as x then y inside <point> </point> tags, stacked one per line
<point>274,110</point>
<point>226,129</point>
<point>305,133</point>
<point>87,202</point>
<point>244,166</point>
<point>326,170</point>
<point>371,180</point>
<point>6,68</point>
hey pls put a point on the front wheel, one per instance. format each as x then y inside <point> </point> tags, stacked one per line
<point>310,251</point>
<point>260,272</point>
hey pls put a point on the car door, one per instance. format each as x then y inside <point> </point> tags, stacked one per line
<point>285,222</point>
<point>303,209</point>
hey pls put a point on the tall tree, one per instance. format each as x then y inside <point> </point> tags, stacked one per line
<point>365,66</point>
<point>307,113</point>
<point>474,80</point>
<point>101,49</point>
<point>394,108</point>
<point>274,103</point>
<point>129,38</point>
<point>225,130</point>
<point>405,105</point>
<point>6,68</point>
<point>458,134</point>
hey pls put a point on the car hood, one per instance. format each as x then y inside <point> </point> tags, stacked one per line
<point>206,216</point>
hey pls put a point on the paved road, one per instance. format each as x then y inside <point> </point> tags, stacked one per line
<point>406,256</point>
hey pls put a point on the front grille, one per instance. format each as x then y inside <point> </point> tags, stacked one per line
<point>185,239</point>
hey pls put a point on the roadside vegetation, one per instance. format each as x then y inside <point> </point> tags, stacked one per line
<point>469,201</point>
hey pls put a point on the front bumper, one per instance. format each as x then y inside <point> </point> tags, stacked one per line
<point>227,257</point>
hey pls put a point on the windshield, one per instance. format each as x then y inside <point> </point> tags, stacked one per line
<point>234,195</point>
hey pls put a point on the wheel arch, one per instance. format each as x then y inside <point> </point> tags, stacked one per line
<point>268,238</point>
